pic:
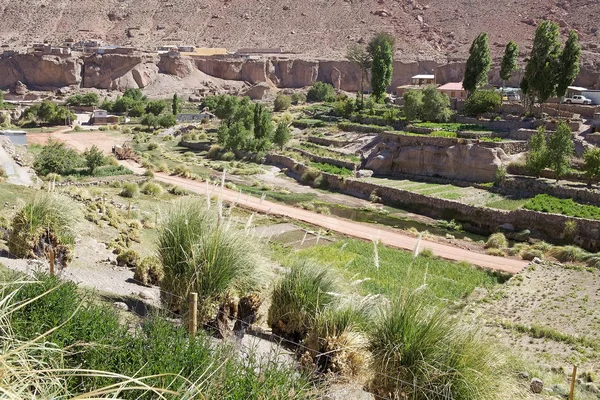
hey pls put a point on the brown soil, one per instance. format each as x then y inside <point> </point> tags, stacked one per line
<point>431,29</point>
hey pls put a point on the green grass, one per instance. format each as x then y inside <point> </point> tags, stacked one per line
<point>507,204</point>
<point>450,196</point>
<point>543,332</point>
<point>97,340</point>
<point>324,152</point>
<point>452,126</point>
<point>332,169</point>
<point>355,260</point>
<point>308,123</point>
<point>284,197</point>
<point>446,134</point>
<point>549,204</point>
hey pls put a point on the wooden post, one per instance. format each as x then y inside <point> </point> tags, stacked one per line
<point>573,378</point>
<point>51,260</point>
<point>193,314</point>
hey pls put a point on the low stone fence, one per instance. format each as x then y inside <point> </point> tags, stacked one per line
<point>593,138</point>
<point>567,110</point>
<point>530,186</point>
<point>353,127</point>
<point>323,141</point>
<point>199,146</point>
<point>475,134</point>
<point>503,125</point>
<point>328,160</point>
<point>475,218</point>
<point>509,147</point>
<point>573,125</point>
<point>522,134</point>
<point>421,130</point>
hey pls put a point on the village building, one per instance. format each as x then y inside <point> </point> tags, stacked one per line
<point>101,117</point>
<point>454,90</point>
<point>189,117</point>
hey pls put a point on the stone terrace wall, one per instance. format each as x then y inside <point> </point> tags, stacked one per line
<point>327,160</point>
<point>414,141</point>
<point>481,219</point>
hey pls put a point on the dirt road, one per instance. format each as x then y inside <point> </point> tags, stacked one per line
<point>387,236</point>
<point>79,140</point>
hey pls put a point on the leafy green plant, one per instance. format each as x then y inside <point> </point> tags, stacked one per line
<point>304,290</point>
<point>482,101</point>
<point>549,204</point>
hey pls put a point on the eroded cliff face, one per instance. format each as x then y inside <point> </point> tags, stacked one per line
<point>398,154</point>
<point>40,72</point>
<point>120,72</point>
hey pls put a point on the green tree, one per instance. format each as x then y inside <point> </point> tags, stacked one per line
<point>57,158</point>
<point>568,64</point>
<point>263,123</point>
<point>320,91</point>
<point>537,158</point>
<point>137,109</point>
<point>175,104</point>
<point>413,105</point>
<point>282,102</point>
<point>167,120</point>
<point>591,164</point>
<point>478,64</point>
<point>155,107</point>
<point>541,70</point>
<point>482,101</point>
<point>381,51</point>
<point>560,149</point>
<point>226,107</point>
<point>94,158</point>
<point>150,120</point>
<point>344,108</point>
<point>360,57</point>
<point>436,105</point>
<point>135,94</point>
<point>282,135</point>
<point>508,65</point>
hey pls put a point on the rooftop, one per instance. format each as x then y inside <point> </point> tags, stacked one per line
<point>423,77</point>
<point>452,86</point>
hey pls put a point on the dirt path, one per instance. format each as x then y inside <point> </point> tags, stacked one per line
<point>387,236</point>
<point>79,141</point>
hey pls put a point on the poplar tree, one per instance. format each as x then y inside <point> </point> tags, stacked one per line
<point>381,50</point>
<point>509,61</point>
<point>478,64</point>
<point>360,57</point>
<point>568,64</point>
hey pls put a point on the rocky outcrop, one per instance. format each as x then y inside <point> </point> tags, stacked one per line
<point>119,72</point>
<point>260,91</point>
<point>400,154</point>
<point>39,72</point>
<point>176,66</point>
<point>251,71</point>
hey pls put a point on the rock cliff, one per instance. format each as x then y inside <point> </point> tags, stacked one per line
<point>398,154</point>
<point>119,72</point>
<point>40,72</point>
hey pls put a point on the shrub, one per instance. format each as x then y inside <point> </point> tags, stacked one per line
<point>568,253</point>
<point>94,158</point>
<point>310,175</point>
<point>496,241</point>
<point>303,291</point>
<point>128,258</point>
<point>424,354</point>
<point>56,157</point>
<point>46,221</point>
<point>199,253</point>
<point>569,230</point>
<point>148,172</point>
<point>163,167</point>
<point>436,105</point>
<point>152,189</point>
<point>214,151</point>
<point>3,175</point>
<point>228,156</point>
<point>529,254</point>
<point>298,97</point>
<point>482,101</point>
<point>149,271</point>
<point>336,342</point>
<point>320,91</point>
<point>177,191</point>
<point>495,252</point>
<point>500,176</point>
<point>130,190</point>
<point>413,105</point>
<point>182,170</point>
<point>152,146</point>
<point>282,102</point>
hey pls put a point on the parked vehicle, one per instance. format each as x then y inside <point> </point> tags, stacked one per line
<point>577,99</point>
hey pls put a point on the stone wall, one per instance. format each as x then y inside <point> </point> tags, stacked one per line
<point>504,125</point>
<point>530,186</point>
<point>479,219</point>
<point>198,146</point>
<point>328,141</point>
<point>327,160</point>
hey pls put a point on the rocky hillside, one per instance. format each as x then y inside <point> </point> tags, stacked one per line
<point>437,30</point>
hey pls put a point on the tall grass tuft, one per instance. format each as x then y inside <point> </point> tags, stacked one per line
<point>496,241</point>
<point>45,222</point>
<point>305,290</point>
<point>336,341</point>
<point>568,253</point>
<point>130,190</point>
<point>199,253</point>
<point>419,353</point>
<point>152,189</point>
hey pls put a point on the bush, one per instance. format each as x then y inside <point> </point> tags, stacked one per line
<point>496,241</point>
<point>568,253</point>
<point>214,151</point>
<point>128,258</point>
<point>436,105</point>
<point>46,221</point>
<point>530,254</point>
<point>130,190</point>
<point>3,175</point>
<point>57,158</point>
<point>200,254</point>
<point>228,156</point>
<point>298,97</point>
<point>149,271</point>
<point>152,146</point>
<point>482,101</point>
<point>152,189</point>
<point>310,175</point>
<point>303,291</point>
<point>413,105</point>
<point>320,91</point>
<point>336,342</point>
<point>424,354</point>
<point>282,102</point>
